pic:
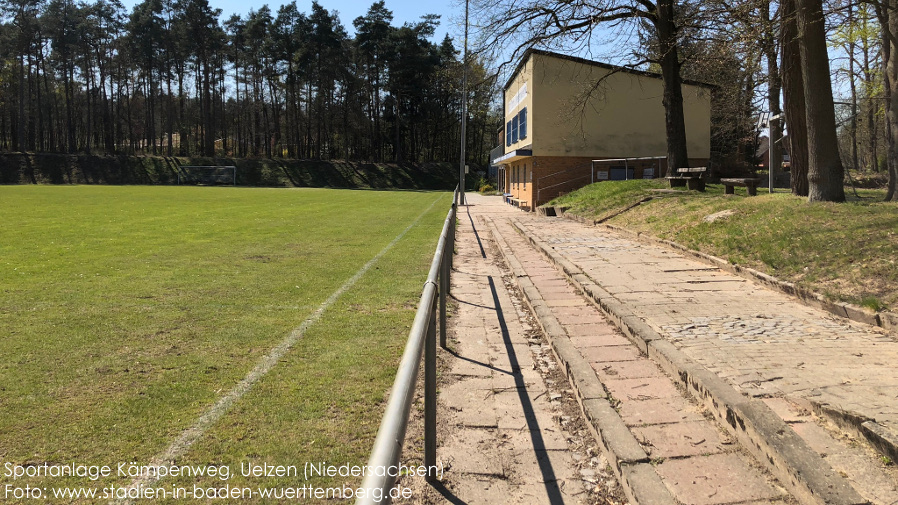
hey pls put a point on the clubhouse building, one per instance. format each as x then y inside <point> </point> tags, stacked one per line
<point>571,121</point>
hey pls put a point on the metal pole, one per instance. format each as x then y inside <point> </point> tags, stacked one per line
<point>444,285</point>
<point>451,248</point>
<point>430,397</point>
<point>464,114</point>
<point>770,157</point>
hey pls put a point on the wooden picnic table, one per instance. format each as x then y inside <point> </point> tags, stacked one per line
<point>691,177</point>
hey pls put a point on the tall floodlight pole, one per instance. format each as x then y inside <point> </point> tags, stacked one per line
<point>464,113</point>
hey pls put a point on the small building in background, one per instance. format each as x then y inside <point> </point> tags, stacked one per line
<point>763,152</point>
<point>571,121</point>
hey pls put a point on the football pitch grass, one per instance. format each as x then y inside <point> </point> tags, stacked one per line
<point>127,312</point>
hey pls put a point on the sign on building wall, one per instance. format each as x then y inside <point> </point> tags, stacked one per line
<point>648,173</point>
<point>518,97</point>
<point>602,176</point>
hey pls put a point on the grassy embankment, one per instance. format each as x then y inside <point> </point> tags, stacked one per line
<point>844,251</point>
<point>128,311</point>
<point>17,168</point>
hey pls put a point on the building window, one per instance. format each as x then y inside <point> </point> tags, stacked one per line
<point>514,129</point>
<point>525,175</point>
<point>522,123</point>
<point>508,133</point>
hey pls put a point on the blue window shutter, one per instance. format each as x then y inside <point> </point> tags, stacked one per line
<point>522,127</point>
<point>514,129</point>
<point>508,133</point>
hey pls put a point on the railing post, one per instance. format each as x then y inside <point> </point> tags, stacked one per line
<point>430,397</point>
<point>444,289</point>
<point>451,247</point>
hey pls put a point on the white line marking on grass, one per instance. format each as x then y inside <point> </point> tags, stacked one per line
<point>216,411</point>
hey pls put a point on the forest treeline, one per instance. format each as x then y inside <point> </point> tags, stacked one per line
<point>171,78</point>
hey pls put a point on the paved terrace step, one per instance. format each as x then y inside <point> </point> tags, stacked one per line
<point>727,324</point>
<point>661,445</point>
<point>507,434</point>
<point>764,343</point>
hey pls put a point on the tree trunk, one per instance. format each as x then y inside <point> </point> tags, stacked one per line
<point>793,93</point>
<point>674,122</point>
<point>69,107</point>
<point>872,105</point>
<point>774,86</point>
<point>21,120</point>
<point>825,171</point>
<point>855,165</point>
<point>890,78</point>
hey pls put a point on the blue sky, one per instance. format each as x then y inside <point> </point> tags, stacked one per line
<point>403,11</point>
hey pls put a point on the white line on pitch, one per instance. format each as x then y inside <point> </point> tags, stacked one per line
<point>189,436</point>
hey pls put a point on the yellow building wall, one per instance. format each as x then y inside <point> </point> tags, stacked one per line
<point>520,181</point>
<point>522,79</point>
<point>623,117</point>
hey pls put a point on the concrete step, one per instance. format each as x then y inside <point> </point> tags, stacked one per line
<point>874,477</point>
<point>509,429</point>
<point>665,448</point>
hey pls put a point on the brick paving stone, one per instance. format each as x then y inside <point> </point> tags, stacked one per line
<point>788,412</point>
<point>468,402</point>
<point>627,352</point>
<point>522,440</point>
<point>663,410</point>
<point>551,464</point>
<point>626,369</point>
<point>594,339</point>
<point>549,286</point>
<point>584,312</point>
<point>643,388</point>
<point>487,490</point>
<point>482,456</point>
<point>680,439</point>
<point>467,367</point>
<point>567,301</point>
<point>502,381</point>
<point>591,329</point>
<point>715,479</point>
<point>513,414</point>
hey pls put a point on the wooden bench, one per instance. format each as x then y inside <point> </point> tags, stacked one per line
<point>519,203</point>
<point>749,183</point>
<point>691,177</point>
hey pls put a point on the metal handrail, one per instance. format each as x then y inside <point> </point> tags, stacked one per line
<point>558,172</point>
<point>383,464</point>
<point>539,190</point>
